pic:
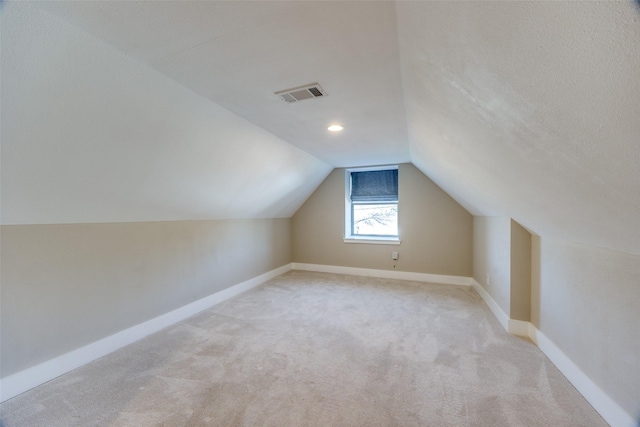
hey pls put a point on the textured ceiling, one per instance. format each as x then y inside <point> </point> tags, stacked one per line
<point>239,53</point>
<point>91,135</point>
<point>529,110</point>
<point>526,110</point>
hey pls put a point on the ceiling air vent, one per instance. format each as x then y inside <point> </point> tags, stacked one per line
<point>300,93</point>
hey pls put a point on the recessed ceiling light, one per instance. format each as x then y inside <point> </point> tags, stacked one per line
<point>335,128</point>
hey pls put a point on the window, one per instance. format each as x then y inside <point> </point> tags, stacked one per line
<point>371,208</point>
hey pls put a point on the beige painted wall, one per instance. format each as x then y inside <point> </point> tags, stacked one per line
<point>502,263</point>
<point>587,301</point>
<point>520,298</point>
<point>492,258</point>
<point>65,286</point>
<point>436,232</point>
<point>536,270</point>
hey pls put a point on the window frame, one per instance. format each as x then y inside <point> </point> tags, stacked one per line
<point>349,236</point>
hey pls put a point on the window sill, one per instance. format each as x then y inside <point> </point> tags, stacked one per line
<point>373,240</point>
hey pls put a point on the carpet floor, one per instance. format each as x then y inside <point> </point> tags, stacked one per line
<point>315,349</point>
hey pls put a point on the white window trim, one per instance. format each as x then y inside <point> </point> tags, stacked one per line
<point>350,238</point>
<point>373,240</point>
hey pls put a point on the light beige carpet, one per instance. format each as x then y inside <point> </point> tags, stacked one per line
<point>312,349</point>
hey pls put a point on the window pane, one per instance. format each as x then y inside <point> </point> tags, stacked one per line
<point>375,219</point>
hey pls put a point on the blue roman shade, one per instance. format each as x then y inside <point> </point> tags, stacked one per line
<point>379,186</point>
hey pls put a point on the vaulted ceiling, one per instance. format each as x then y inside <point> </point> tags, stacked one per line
<point>118,111</point>
<point>238,54</point>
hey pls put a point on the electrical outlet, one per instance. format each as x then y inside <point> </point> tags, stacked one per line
<point>394,256</point>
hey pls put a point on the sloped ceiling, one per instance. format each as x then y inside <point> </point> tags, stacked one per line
<point>92,135</point>
<point>519,109</point>
<point>529,110</point>
<point>239,53</point>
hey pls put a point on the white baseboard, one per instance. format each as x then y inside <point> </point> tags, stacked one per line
<point>519,327</point>
<point>601,402</point>
<point>29,378</point>
<point>385,274</point>
<point>493,305</point>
